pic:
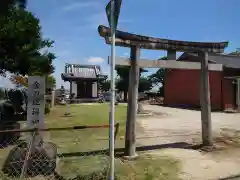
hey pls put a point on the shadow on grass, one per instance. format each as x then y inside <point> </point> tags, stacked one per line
<point>120,151</point>
<point>67,116</point>
<point>100,175</point>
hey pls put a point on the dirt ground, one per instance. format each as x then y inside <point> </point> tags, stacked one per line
<point>174,130</point>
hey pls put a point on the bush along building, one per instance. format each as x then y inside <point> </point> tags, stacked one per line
<point>84,81</point>
<point>182,87</point>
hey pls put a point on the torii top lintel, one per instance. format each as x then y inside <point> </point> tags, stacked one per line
<point>126,39</point>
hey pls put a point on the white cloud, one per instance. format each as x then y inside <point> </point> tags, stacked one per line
<point>95,60</point>
<point>78,5</point>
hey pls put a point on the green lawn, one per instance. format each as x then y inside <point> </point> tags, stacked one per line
<point>87,139</point>
<point>82,152</point>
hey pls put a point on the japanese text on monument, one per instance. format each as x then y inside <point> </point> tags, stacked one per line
<point>36,101</point>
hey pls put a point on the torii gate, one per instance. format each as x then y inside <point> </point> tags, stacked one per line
<point>137,42</point>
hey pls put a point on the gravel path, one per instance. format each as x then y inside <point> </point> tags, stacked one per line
<point>171,125</point>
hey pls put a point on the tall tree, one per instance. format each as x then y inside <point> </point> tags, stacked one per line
<point>122,82</point>
<point>21,3</point>
<point>144,84</point>
<point>51,81</point>
<point>105,85</point>
<point>22,81</point>
<point>6,5</point>
<point>20,44</point>
<point>157,78</point>
<point>236,52</point>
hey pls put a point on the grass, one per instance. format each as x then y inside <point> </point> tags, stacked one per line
<point>81,152</point>
<point>147,167</point>
<point>87,139</point>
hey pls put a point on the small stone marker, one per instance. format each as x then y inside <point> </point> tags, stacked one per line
<point>35,157</point>
<point>67,100</point>
<point>36,103</point>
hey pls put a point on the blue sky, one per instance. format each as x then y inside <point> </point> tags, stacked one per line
<point>72,24</point>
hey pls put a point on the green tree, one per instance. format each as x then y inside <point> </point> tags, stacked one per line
<point>51,81</point>
<point>121,87</point>
<point>123,80</point>
<point>6,5</point>
<point>144,84</point>
<point>20,44</point>
<point>157,78</point>
<point>105,85</point>
<point>21,3</point>
<point>236,52</point>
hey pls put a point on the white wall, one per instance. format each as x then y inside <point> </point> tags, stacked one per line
<point>94,89</point>
<point>74,88</point>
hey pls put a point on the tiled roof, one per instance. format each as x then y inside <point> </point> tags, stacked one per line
<point>82,70</point>
<point>228,60</point>
<point>73,71</point>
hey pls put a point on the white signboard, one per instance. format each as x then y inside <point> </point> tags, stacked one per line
<point>36,104</point>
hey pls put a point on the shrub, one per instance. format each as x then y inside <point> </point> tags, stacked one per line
<point>6,111</point>
<point>17,98</point>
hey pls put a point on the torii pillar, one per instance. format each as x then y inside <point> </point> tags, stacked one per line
<point>205,101</point>
<point>130,135</point>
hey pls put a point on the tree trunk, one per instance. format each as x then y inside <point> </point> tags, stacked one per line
<point>125,93</point>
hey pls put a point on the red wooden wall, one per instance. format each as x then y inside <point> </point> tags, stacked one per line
<point>182,87</point>
<point>228,96</point>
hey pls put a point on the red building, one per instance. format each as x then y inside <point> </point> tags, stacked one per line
<point>182,86</point>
